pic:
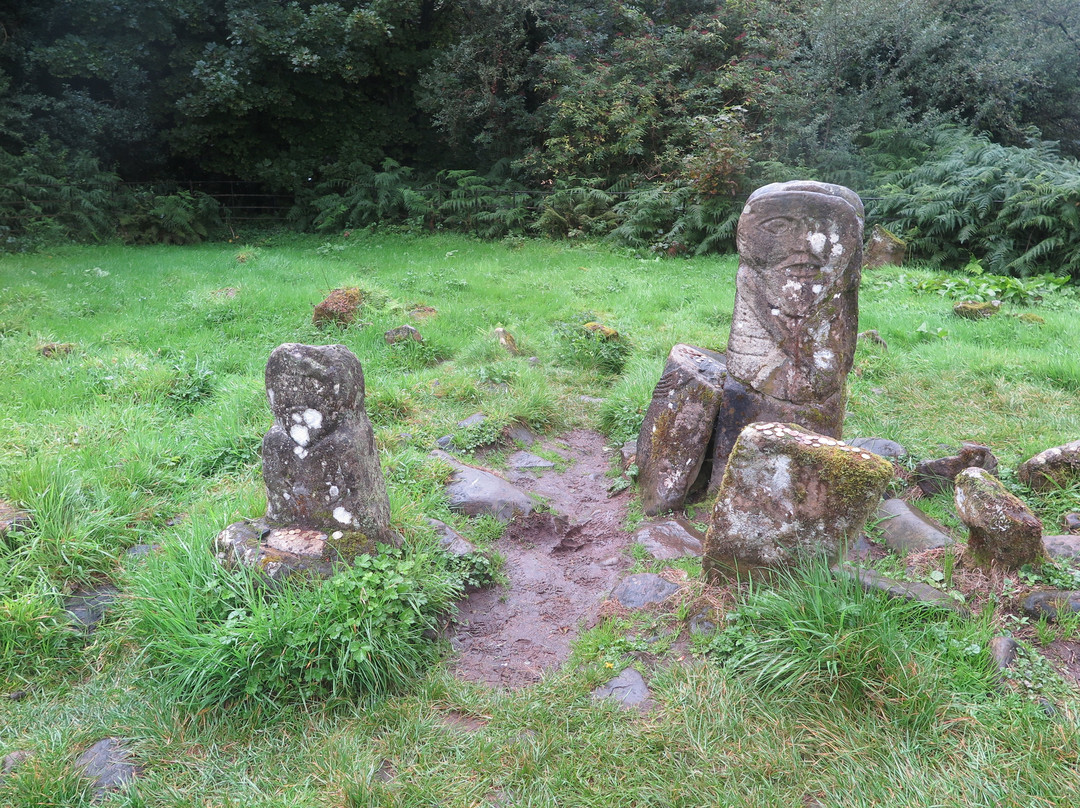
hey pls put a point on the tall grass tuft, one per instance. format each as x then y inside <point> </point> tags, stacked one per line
<point>214,636</point>
<point>820,635</point>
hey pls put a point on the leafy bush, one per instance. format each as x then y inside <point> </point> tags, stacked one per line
<point>1015,210</point>
<point>216,636</point>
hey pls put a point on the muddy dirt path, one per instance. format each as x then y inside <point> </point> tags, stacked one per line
<point>560,567</point>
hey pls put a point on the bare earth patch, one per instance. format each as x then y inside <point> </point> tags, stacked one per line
<point>561,566</point>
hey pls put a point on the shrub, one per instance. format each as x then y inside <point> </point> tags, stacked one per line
<point>217,636</point>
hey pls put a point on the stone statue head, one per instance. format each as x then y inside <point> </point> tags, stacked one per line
<point>312,387</point>
<point>796,299</point>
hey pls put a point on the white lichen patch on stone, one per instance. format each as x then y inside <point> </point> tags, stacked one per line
<point>312,418</point>
<point>824,359</point>
<point>334,491</point>
<point>817,241</point>
<point>300,452</point>
<point>342,515</point>
<point>300,435</point>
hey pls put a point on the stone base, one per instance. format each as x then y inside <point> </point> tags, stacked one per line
<point>279,552</point>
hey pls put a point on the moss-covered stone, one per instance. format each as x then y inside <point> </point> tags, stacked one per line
<point>1002,531</point>
<point>790,496</point>
<point>977,310</point>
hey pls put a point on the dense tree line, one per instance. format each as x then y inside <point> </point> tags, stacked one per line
<point>699,97</point>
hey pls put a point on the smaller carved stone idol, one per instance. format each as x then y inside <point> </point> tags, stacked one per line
<point>326,498</point>
<point>796,314</point>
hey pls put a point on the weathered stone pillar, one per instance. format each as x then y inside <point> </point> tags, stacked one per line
<point>326,498</point>
<point>796,315</point>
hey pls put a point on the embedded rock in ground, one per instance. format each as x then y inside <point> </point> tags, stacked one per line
<point>874,581</point>
<point>87,607</point>
<point>1002,530</point>
<point>12,519</point>
<point>527,460</point>
<point>882,447</point>
<point>1051,604</point>
<point>339,308</point>
<point>1003,651</point>
<point>403,333</point>
<point>678,424</point>
<point>1071,522</point>
<point>423,312</point>
<point>450,540</point>
<point>669,538</point>
<point>790,497</point>
<point>884,249</point>
<point>628,454</point>
<point>507,341</point>
<point>12,761</point>
<point>520,435</point>
<point>52,350</point>
<point>474,491</point>
<point>641,590</point>
<point>628,689</point>
<point>107,764</point>
<point>976,309</point>
<point>326,498</point>
<point>1055,468</point>
<point>1065,548</point>
<point>906,529</point>
<point>937,476</point>
<point>796,314</point>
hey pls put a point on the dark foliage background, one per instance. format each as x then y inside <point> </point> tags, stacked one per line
<point>644,122</point>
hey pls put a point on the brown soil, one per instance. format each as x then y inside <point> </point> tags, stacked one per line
<point>561,565</point>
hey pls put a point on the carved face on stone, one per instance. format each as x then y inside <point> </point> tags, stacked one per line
<point>311,388</point>
<point>800,255</point>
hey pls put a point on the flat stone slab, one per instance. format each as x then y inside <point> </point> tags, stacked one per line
<point>628,689</point>
<point>527,460</point>
<point>450,540</point>
<point>908,590</point>
<point>640,590</point>
<point>883,447</point>
<point>87,607</point>
<point>107,764</point>
<point>670,538</point>
<point>1066,547</point>
<point>906,529</point>
<point>1051,603</point>
<point>474,491</point>
<point>277,552</point>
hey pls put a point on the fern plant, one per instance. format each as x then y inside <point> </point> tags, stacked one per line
<point>49,195</point>
<point>181,217</point>
<point>1013,209</point>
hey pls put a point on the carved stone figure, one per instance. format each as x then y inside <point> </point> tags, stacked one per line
<point>796,314</point>
<point>326,498</point>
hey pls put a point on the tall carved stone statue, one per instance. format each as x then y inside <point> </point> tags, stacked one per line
<point>796,314</point>
<point>326,498</point>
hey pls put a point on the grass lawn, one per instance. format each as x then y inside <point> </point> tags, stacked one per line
<point>143,427</point>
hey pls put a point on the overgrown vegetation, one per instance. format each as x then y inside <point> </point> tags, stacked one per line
<point>146,429</point>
